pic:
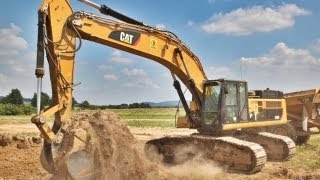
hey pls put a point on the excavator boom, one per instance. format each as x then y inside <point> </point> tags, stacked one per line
<point>59,39</point>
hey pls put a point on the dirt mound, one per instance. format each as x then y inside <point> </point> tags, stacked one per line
<point>5,139</point>
<point>117,155</point>
<point>19,159</point>
<point>21,142</point>
<point>298,173</point>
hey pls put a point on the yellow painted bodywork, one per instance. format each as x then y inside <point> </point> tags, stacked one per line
<point>153,44</point>
<point>256,106</point>
<point>253,124</point>
<point>182,122</point>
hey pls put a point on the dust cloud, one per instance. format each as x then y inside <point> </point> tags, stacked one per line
<point>188,163</point>
<point>197,168</point>
<point>118,155</point>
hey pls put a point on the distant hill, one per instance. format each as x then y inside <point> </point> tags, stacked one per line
<point>152,104</point>
<point>164,104</point>
<point>26,100</point>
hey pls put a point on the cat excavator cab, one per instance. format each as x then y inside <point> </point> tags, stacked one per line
<point>220,109</point>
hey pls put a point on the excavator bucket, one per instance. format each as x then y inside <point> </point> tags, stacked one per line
<point>70,154</point>
<point>80,165</point>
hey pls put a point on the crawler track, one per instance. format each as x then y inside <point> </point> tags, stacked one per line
<point>237,155</point>
<point>277,147</point>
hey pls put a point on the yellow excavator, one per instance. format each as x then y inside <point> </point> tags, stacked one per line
<point>228,121</point>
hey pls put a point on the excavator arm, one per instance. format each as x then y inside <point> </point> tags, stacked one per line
<point>59,27</point>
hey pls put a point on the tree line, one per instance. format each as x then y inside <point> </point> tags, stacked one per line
<point>13,104</point>
<point>86,105</point>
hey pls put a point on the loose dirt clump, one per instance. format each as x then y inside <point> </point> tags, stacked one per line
<point>298,173</point>
<point>117,154</point>
<point>21,142</point>
<point>5,139</point>
<point>19,159</point>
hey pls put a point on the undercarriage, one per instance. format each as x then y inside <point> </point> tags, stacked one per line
<point>245,153</point>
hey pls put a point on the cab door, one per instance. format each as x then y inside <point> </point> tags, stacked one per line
<point>235,102</point>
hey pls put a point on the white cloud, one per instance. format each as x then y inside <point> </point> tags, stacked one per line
<point>219,72</point>
<point>283,56</point>
<point>103,67</point>
<point>133,72</point>
<point>138,78</point>
<point>17,63</point>
<point>149,83</point>
<point>7,62</point>
<point>21,63</point>
<point>255,19</point>
<point>117,57</point>
<point>144,82</point>
<point>3,78</point>
<point>315,46</point>
<point>282,68</point>
<point>211,1</point>
<point>10,41</point>
<point>190,23</point>
<point>161,26</point>
<point>111,77</point>
<point>166,74</point>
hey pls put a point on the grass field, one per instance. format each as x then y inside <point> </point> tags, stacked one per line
<point>153,117</point>
<point>148,117</point>
<point>20,119</point>
<point>307,156</point>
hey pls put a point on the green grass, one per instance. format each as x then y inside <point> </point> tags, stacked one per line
<point>150,123</point>
<point>307,156</point>
<point>18,119</point>
<point>147,113</point>
<point>148,117</point>
<point>140,117</point>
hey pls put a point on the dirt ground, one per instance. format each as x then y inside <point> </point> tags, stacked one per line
<point>24,163</point>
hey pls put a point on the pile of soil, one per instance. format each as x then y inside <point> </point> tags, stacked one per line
<point>19,157</point>
<point>298,173</point>
<point>21,163</point>
<point>20,141</point>
<point>117,154</point>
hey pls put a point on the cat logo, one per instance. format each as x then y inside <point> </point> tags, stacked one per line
<point>127,37</point>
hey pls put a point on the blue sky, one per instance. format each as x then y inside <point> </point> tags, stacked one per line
<point>273,44</point>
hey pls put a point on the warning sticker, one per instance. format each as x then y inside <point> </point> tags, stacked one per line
<point>153,44</point>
